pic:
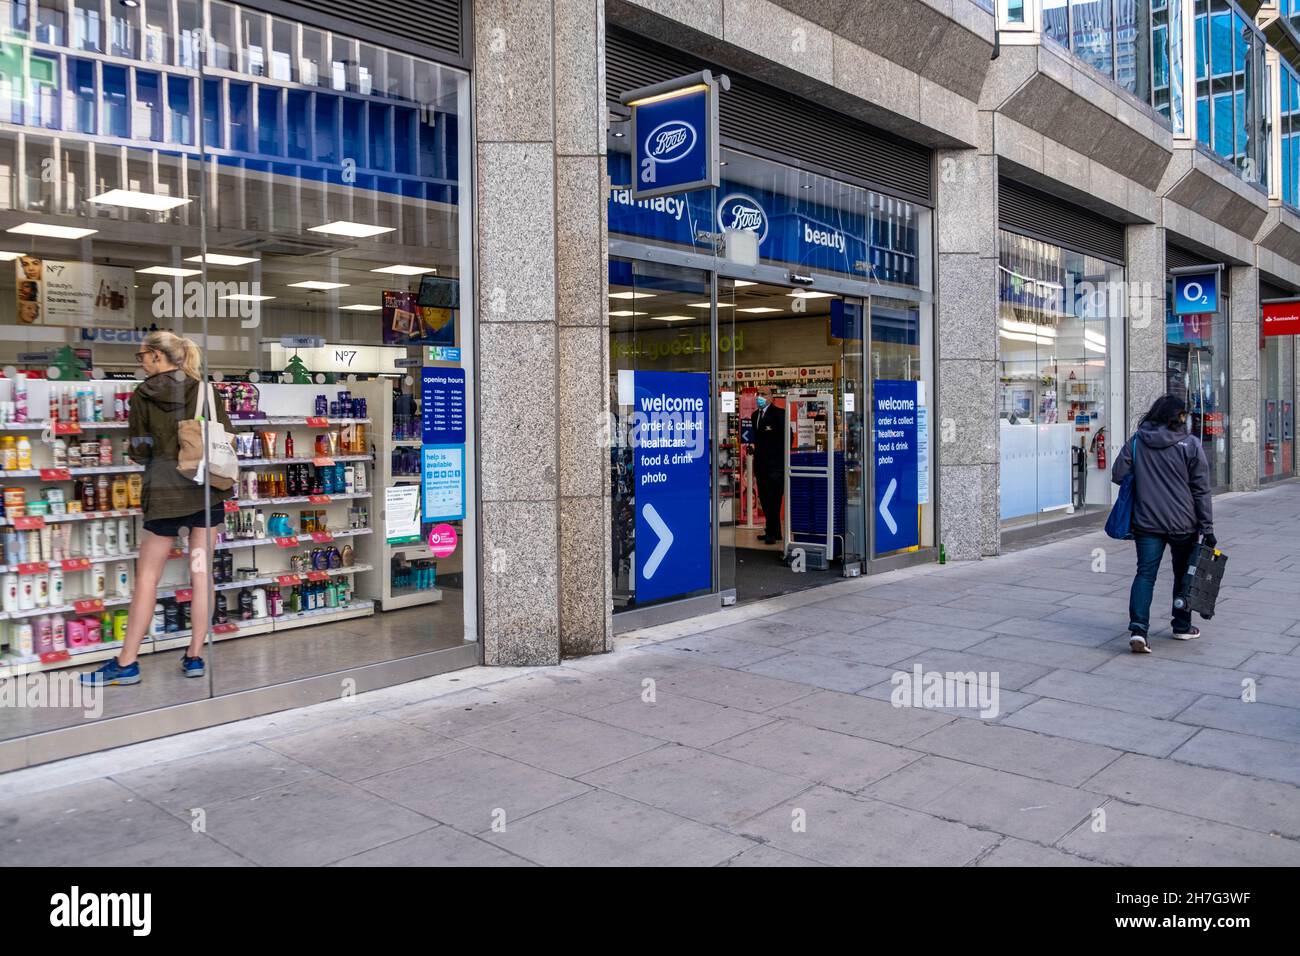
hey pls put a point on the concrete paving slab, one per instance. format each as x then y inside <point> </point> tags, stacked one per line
<point>1111,728</point>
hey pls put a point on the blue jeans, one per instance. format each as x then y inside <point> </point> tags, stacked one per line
<point>1150,551</point>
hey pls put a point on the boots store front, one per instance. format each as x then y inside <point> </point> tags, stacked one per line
<point>789,314</point>
<point>289,193</point>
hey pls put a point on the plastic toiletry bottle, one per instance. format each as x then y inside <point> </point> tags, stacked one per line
<point>56,586</point>
<point>59,633</point>
<point>24,454</point>
<point>122,580</point>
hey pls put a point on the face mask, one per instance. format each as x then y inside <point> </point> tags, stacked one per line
<point>762,402</point>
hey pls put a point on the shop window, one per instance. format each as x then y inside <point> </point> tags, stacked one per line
<point>213,137</point>
<point>269,128</point>
<point>1196,356</point>
<point>327,128</point>
<point>1060,332</point>
<point>147,121</point>
<point>179,102</point>
<point>117,115</point>
<point>239,117</point>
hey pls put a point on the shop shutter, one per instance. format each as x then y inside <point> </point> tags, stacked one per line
<point>419,27</point>
<point>1176,257</point>
<point>1268,290</point>
<point>759,116</point>
<point>1032,213</point>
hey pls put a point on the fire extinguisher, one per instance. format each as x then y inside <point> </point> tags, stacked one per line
<point>1099,446</point>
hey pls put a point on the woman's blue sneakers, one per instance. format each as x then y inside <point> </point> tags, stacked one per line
<point>192,666</point>
<point>110,672</point>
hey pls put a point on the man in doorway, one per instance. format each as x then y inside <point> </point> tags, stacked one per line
<point>768,449</point>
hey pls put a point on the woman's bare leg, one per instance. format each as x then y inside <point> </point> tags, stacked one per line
<point>154,550</point>
<point>200,586</point>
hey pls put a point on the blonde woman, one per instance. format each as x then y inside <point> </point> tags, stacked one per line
<point>173,504</point>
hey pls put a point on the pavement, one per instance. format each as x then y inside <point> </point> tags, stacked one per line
<point>765,735</point>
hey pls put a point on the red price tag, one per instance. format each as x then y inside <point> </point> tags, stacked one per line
<point>230,505</point>
<point>184,595</point>
<point>76,564</point>
<point>67,428</point>
<point>35,567</point>
<point>320,537</point>
<point>30,522</point>
<point>288,580</point>
<point>55,474</point>
<point>54,657</point>
<point>175,553</point>
<point>228,628</point>
<point>317,576</point>
<point>287,542</point>
<point>319,499</point>
<point>322,462</point>
<point>89,605</point>
<point>315,421</point>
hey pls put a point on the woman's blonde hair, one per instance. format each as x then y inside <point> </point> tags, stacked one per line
<point>180,351</point>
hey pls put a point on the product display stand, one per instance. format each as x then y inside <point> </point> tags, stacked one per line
<point>72,544</point>
<point>379,583</point>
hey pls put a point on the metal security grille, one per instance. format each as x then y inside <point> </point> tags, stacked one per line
<point>1177,257</point>
<point>420,27</point>
<point>1033,213</point>
<point>756,115</point>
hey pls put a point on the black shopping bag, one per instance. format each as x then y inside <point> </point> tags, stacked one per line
<point>1201,585</point>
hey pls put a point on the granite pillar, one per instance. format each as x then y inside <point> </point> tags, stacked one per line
<point>1246,429</point>
<point>966,432</point>
<point>543,342</point>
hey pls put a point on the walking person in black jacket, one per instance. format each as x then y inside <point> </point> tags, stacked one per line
<point>1171,506</point>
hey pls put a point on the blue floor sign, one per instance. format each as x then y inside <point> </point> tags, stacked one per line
<point>670,429</point>
<point>894,416</point>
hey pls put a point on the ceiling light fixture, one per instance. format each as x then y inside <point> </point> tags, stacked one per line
<point>759,309</point>
<point>674,318</point>
<point>738,283</point>
<point>632,295</point>
<point>169,271</point>
<point>353,230</point>
<point>246,297</point>
<point>360,308</point>
<point>50,231</point>
<point>405,270</point>
<point>317,285</point>
<point>9,256</point>
<point>221,259</point>
<point>705,305</point>
<point>133,199</point>
<point>806,294</point>
<point>623,313</point>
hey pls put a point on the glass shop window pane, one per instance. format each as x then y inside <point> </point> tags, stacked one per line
<point>1092,36</point>
<point>299,128</point>
<point>327,128</point>
<point>1056,22</point>
<point>212,138</point>
<point>268,120</point>
<point>117,119</point>
<point>181,107</point>
<point>240,118</point>
<point>147,117</point>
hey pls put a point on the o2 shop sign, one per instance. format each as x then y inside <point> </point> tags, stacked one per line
<point>675,135</point>
<point>1196,293</point>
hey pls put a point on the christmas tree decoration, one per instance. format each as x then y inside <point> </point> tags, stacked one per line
<point>299,375</point>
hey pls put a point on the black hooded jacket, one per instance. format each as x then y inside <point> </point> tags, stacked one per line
<point>158,405</point>
<point>1171,491</point>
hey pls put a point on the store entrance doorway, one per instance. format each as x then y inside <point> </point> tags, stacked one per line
<point>791,443</point>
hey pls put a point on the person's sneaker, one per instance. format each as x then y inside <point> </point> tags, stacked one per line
<point>192,666</point>
<point>1191,635</point>
<point>1138,644</point>
<point>110,672</point>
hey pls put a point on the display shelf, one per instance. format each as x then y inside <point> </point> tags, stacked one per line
<point>72,472</point>
<point>273,579</point>
<point>6,521</point>
<point>324,421</point>
<point>285,409</point>
<point>105,559</point>
<point>407,442</point>
<point>245,463</point>
<point>304,499</point>
<point>411,597</point>
<point>42,425</point>
<point>66,608</point>
<point>302,539</point>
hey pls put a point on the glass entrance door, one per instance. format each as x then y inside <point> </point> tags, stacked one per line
<point>790,436</point>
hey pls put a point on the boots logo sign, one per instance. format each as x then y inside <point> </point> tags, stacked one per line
<point>670,141</point>
<point>741,212</point>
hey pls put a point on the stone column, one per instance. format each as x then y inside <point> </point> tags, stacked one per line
<point>540,120</point>
<point>1144,274</point>
<point>1247,431</point>
<point>966,431</point>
